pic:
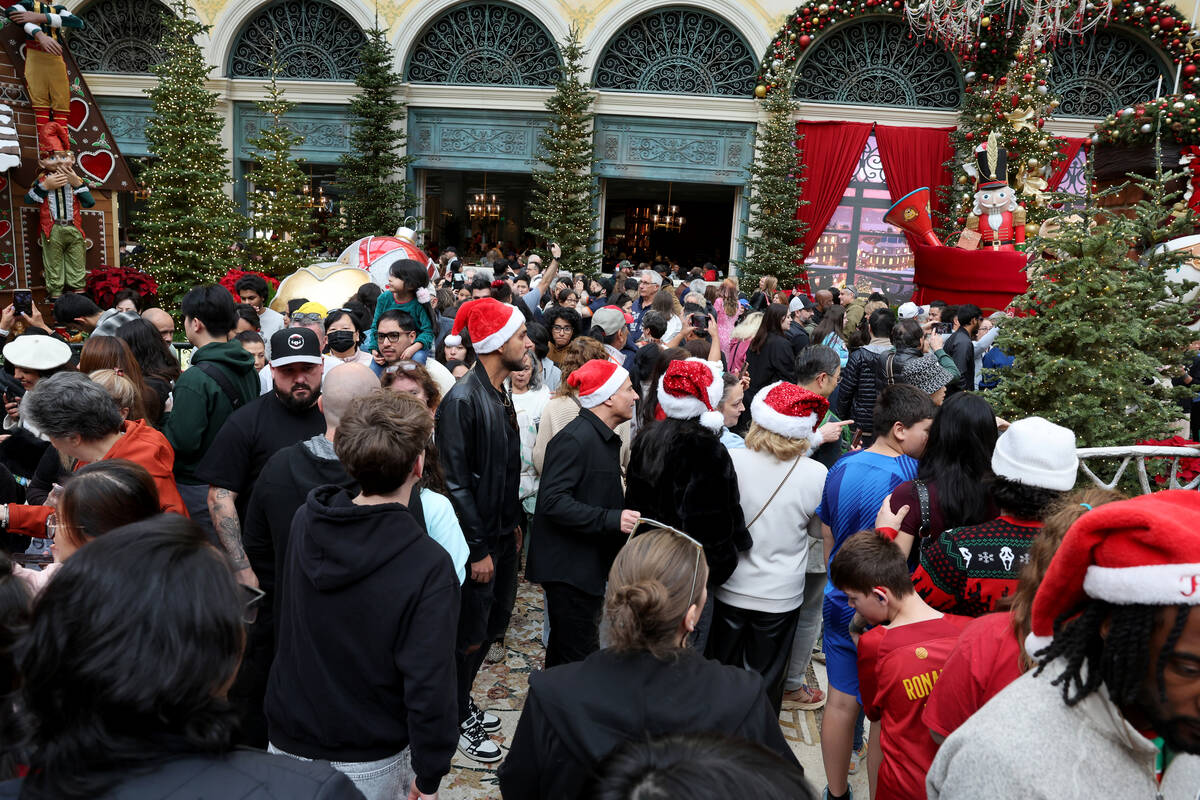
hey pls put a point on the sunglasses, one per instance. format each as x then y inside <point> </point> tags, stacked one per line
<point>251,601</point>
<point>651,525</point>
<point>307,316</point>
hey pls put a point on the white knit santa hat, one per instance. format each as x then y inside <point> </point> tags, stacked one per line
<point>691,389</point>
<point>490,323</point>
<point>1142,551</point>
<point>597,380</point>
<point>789,410</point>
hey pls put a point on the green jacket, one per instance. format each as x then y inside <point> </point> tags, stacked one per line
<point>201,406</point>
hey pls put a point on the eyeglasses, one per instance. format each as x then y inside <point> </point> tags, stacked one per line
<point>307,316</point>
<point>652,525</point>
<point>562,329</point>
<point>252,598</point>
<point>407,366</point>
<point>392,337</point>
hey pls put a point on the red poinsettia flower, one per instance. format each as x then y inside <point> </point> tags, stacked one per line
<point>234,275</point>
<point>1188,469</point>
<point>104,282</point>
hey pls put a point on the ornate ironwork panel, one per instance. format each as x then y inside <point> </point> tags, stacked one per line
<point>1106,71</point>
<point>678,51</point>
<point>869,174</point>
<point>485,44</point>
<point>121,36</point>
<point>874,62</point>
<point>311,39</point>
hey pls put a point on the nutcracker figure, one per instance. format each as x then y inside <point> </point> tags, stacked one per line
<point>45,69</point>
<point>60,194</point>
<point>996,216</point>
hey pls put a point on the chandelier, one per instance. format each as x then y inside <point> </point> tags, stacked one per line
<point>667,217</point>
<point>484,206</point>
<point>960,24</point>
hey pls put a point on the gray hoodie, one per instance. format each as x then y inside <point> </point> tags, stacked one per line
<point>1027,743</point>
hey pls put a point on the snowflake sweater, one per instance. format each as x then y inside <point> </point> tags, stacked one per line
<point>971,570</point>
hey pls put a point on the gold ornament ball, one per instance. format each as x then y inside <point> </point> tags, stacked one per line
<point>760,91</point>
<point>985,21</point>
<point>328,284</point>
<point>963,180</point>
<point>823,9</point>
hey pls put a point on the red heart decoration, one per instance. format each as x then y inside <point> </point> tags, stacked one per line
<point>6,271</point>
<point>78,114</point>
<point>5,228</point>
<point>3,183</point>
<point>99,164</point>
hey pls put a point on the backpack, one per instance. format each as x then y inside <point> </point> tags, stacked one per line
<point>222,380</point>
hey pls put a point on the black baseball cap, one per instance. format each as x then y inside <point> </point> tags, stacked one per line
<point>295,346</point>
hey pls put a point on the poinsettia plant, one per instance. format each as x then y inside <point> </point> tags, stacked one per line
<point>1159,467</point>
<point>234,275</point>
<point>102,283</point>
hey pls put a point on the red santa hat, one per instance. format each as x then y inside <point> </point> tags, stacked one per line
<point>1142,551</point>
<point>53,138</point>
<point>692,388</point>
<point>789,410</point>
<point>596,381</point>
<point>490,322</point>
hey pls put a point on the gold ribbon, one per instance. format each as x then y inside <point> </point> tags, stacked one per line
<point>1022,119</point>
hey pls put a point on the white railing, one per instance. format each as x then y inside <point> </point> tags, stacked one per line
<point>1139,453</point>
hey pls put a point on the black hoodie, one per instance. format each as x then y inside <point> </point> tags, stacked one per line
<point>575,714</point>
<point>365,660</point>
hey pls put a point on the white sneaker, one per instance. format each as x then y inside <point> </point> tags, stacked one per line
<point>490,722</point>
<point>475,744</point>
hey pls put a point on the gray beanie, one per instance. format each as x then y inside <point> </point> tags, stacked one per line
<point>925,373</point>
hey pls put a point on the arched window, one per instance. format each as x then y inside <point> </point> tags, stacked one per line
<point>1106,71</point>
<point>678,51</point>
<point>312,40</point>
<point>874,62</point>
<point>121,36</point>
<point>485,44</point>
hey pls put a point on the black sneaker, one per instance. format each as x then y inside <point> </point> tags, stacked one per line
<point>490,722</point>
<point>475,744</point>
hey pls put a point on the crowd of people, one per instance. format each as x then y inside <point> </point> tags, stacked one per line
<point>279,571</point>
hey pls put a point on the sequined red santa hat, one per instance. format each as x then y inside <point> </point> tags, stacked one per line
<point>789,410</point>
<point>596,381</point>
<point>692,389</point>
<point>1143,551</point>
<point>490,322</point>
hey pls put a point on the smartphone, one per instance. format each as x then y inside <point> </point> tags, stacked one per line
<point>699,321</point>
<point>943,328</point>
<point>23,301</point>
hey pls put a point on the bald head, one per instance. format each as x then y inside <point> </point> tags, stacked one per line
<point>824,299</point>
<point>162,323</point>
<point>341,386</point>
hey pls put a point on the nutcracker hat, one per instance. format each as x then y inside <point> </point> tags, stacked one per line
<point>1143,551</point>
<point>53,138</point>
<point>789,410</point>
<point>596,381</point>
<point>993,164</point>
<point>692,389</point>
<point>490,323</point>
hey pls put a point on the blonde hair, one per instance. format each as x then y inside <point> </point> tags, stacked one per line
<point>783,448</point>
<point>121,390</point>
<point>748,327</point>
<point>772,285</point>
<point>647,596</point>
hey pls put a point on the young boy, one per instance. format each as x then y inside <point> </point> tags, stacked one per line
<point>899,661</point>
<point>854,490</point>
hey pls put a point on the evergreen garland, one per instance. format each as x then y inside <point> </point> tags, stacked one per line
<point>279,210</point>
<point>564,204</point>
<point>190,226</point>
<point>372,184</point>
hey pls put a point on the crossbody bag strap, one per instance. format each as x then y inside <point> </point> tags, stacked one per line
<point>923,499</point>
<point>777,488</point>
<point>889,370</point>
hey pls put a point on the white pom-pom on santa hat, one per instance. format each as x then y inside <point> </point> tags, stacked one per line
<point>789,410</point>
<point>596,381</point>
<point>692,389</point>
<point>490,322</point>
<point>1142,551</point>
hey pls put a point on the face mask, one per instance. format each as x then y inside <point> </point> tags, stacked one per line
<point>341,341</point>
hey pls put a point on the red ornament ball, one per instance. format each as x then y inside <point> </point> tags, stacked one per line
<point>1167,23</point>
<point>1189,69</point>
<point>805,40</point>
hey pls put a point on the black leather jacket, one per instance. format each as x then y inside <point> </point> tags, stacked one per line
<point>480,451</point>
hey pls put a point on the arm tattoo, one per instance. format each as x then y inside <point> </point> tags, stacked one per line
<point>229,529</point>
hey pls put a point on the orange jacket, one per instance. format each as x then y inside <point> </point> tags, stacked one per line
<point>141,444</point>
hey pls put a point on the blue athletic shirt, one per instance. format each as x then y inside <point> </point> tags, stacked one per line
<point>854,491</point>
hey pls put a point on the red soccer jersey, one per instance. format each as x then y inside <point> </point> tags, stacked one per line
<point>897,668</point>
<point>986,658</point>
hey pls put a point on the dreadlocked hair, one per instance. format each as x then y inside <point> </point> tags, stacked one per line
<point>1118,660</point>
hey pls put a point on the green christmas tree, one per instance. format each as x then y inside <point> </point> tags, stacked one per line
<point>1015,106</point>
<point>278,207</point>
<point>1103,330</point>
<point>190,225</point>
<point>563,208</point>
<point>773,246</point>
<point>372,187</point>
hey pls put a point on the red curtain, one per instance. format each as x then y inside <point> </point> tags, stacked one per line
<point>915,157</point>
<point>1068,149</point>
<point>829,154</point>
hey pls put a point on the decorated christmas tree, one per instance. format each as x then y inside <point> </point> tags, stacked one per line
<point>563,208</point>
<point>1104,328</point>
<point>1015,106</point>
<point>279,211</point>
<point>371,178</point>
<point>190,225</point>
<point>774,244</point>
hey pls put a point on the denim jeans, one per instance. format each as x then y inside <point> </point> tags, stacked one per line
<point>807,631</point>
<point>385,779</point>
